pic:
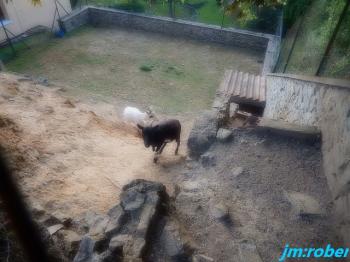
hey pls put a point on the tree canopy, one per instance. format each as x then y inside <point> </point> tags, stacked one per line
<point>243,8</point>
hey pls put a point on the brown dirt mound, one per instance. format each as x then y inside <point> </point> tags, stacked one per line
<point>69,155</point>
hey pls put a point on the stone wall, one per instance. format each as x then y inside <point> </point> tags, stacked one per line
<point>179,28</point>
<point>324,103</point>
<point>76,19</point>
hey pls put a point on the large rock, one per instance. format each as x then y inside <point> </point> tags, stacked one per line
<point>208,159</point>
<point>55,228</point>
<point>116,215</point>
<point>202,258</point>
<point>224,135</point>
<point>98,225</point>
<point>141,218</point>
<point>63,218</point>
<point>237,171</point>
<point>203,133</point>
<point>118,242</point>
<point>304,205</point>
<point>71,241</point>
<point>86,250</point>
<point>173,244</point>
<point>132,200</point>
<point>219,211</point>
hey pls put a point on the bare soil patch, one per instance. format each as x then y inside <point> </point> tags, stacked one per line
<point>244,181</point>
<point>72,156</point>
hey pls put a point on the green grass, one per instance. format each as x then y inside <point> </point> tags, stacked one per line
<point>118,66</point>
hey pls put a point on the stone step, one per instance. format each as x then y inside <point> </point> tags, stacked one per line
<point>243,88</point>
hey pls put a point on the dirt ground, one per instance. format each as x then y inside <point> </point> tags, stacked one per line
<point>106,64</point>
<point>250,176</point>
<point>75,157</point>
<point>72,156</point>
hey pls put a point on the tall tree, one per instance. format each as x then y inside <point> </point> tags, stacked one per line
<point>243,9</point>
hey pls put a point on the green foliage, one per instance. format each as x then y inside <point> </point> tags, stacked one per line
<point>244,9</point>
<point>74,3</point>
<point>173,70</point>
<point>132,6</point>
<point>265,20</point>
<point>294,9</point>
<point>146,68</point>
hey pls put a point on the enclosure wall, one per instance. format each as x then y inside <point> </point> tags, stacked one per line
<point>324,103</point>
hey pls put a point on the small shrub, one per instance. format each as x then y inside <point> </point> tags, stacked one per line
<point>146,68</point>
<point>173,69</point>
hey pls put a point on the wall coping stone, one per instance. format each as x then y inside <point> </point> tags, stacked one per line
<point>185,22</point>
<point>330,82</point>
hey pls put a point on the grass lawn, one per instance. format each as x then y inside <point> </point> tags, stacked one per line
<point>134,67</point>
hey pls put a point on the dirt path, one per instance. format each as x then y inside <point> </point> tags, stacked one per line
<point>72,156</point>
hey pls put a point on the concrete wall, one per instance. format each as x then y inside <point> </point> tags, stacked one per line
<point>271,55</point>
<point>25,15</point>
<point>324,103</point>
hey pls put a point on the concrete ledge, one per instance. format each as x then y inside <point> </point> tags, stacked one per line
<point>271,55</point>
<point>330,82</point>
<point>76,19</point>
<point>307,133</point>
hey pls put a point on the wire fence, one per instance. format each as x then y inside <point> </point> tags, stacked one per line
<point>319,41</point>
<point>263,19</point>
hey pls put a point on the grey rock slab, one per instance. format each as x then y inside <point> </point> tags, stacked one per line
<point>304,204</point>
<point>64,218</point>
<point>99,225</point>
<point>132,200</point>
<point>219,211</point>
<point>119,241</point>
<point>203,133</point>
<point>116,215</point>
<point>208,159</point>
<point>86,250</point>
<point>224,135</point>
<point>53,229</point>
<point>233,109</point>
<point>71,240</point>
<point>173,245</point>
<point>202,258</point>
<point>237,171</point>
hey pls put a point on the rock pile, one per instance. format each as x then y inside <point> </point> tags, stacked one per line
<point>122,235</point>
